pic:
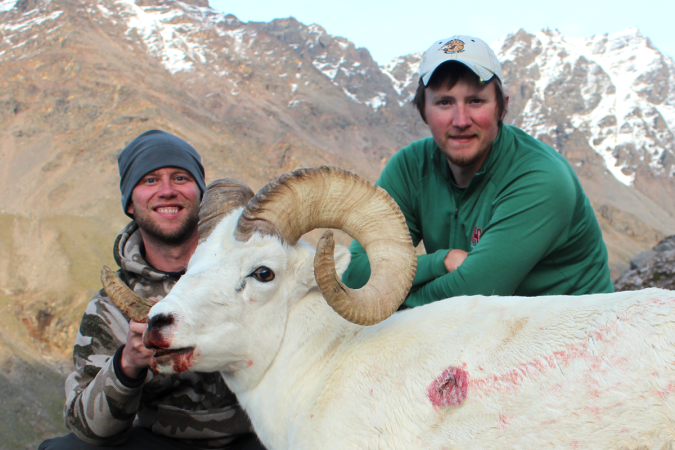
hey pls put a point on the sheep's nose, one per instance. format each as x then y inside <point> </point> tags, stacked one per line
<point>153,338</point>
<point>159,321</point>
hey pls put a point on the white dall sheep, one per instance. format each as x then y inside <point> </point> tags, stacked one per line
<point>590,372</point>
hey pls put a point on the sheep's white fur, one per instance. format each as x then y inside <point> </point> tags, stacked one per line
<point>588,372</point>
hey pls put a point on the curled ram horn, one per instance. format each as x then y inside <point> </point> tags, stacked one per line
<point>330,197</point>
<point>134,306</point>
<point>221,197</point>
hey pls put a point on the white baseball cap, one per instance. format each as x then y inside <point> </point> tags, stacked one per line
<point>470,51</point>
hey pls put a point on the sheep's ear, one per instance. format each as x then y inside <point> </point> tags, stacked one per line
<point>304,269</point>
<point>342,258</point>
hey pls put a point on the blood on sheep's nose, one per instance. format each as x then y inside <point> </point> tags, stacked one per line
<point>153,338</point>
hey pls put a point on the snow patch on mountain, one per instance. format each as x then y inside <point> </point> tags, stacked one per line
<point>402,71</point>
<point>7,5</point>
<point>165,35</point>
<point>353,97</point>
<point>378,101</point>
<point>328,69</point>
<point>29,20</point>
<point>174,34</point>
<point>625,122</point>
<point>26,28</point>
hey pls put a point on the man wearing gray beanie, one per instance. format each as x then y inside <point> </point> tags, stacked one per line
<point>153,150</point>
<point>112,397</point>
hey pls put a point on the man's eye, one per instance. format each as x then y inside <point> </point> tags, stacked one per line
<point>263,274</point>
<point>150,180</point>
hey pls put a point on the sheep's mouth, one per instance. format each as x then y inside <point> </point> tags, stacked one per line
<point>172,353</point>
<point>181,359</point>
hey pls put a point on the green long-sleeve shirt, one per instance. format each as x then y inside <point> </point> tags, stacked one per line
<point>524,219</point>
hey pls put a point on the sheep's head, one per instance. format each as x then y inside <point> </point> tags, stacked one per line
<point>249,268</point>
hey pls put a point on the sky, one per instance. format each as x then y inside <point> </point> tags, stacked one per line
<point>398,27</point>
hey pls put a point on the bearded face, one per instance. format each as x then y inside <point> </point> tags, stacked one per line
<point>165,205</point>
<point>464,121</point>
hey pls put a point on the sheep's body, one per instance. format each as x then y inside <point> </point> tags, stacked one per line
<point>556,372</point>
<point>551,372</point>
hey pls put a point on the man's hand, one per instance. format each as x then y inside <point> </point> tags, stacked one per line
<point>135,356</point>
<point>454,259</point>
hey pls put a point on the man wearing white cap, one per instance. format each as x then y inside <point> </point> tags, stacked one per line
<point>500,213</point>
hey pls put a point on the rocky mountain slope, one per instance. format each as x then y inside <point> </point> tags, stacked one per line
<point>80,78</point>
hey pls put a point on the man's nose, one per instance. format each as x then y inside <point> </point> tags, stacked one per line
<point>461,117</point>
<point>166,189</point>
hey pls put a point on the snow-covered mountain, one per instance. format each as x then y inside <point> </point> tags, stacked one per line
<point>616,89</point>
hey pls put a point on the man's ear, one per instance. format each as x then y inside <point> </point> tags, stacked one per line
<point>506,107</point>
<point>130,208</point>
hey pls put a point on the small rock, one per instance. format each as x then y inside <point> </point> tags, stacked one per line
<point>652,268</point>
<point>641,259</point>
<point>663,246</point>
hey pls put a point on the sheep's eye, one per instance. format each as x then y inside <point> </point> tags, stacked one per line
<point>263,274</point>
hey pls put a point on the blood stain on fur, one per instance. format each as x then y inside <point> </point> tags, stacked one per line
<point>450,388</point>
<point>182,361</point>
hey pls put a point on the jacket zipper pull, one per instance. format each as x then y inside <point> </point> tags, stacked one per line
<point>456,212</point>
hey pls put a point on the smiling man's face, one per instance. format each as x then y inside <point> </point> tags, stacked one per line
<point>165,204</point>
<point>464,121</point>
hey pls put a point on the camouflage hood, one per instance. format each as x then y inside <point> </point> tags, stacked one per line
<point>140,276</point>
<point>129,255</point>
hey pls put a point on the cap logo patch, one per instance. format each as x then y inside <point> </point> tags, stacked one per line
<point>454,46</point>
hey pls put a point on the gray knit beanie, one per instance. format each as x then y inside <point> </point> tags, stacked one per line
<point>153,150</point>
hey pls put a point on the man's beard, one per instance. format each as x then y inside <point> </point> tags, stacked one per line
<point>466,161</point>
<point>173,237</point>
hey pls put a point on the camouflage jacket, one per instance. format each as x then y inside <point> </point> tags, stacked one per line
<point>196,408</point>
